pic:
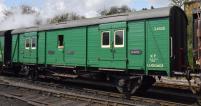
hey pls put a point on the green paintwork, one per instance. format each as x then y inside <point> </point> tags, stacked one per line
<point>157,45</point>
<point>41,48</point>
<point>1,49</point>
<point>93,46</point>
<point>136,42</point>
<point>112,57</point>
<point>74,51</point>
<point>27,55</point>
<point>146,47</point>
<point>15,48</point>
<point>75,47</point>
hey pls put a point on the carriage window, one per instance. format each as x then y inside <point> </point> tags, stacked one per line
<point>27,43</point>
<point>105,37</point>
<point>33,43</point>
<point>60,41</point>
<point>119,38</point>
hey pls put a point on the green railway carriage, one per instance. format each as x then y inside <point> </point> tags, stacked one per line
<point>145,42</point>
<point>127,51</point>
<point>2,47</point>
<point>125,47</point>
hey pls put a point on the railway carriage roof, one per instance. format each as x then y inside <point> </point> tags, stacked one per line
<point>139,15</point>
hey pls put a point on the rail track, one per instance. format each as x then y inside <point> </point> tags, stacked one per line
<point>176,83</point>
<point>40,93</point>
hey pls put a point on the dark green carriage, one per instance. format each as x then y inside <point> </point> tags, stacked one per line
<point>2,40</point>
<point>142,42</point>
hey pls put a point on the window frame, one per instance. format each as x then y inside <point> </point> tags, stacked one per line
<point>32,42</point>
<point>58,44</point>
<point>27,47</point>
<point>118,46</point>
<point>105,46</point>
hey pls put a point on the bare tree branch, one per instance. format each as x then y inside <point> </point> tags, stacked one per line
<point>115,10</point>
<point>178,3</point>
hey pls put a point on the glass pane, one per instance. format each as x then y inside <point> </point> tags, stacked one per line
<point>27,43</point>
<point>119,38</point>
<point>60,40</point>
<point>105,38</point>
<point>33,42</point>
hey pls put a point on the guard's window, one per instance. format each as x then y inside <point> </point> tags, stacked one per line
<point>60,41</point>
<point>27,43</point>
<point>105,37</point>
<point>119,38</point>
<point>33,43</point>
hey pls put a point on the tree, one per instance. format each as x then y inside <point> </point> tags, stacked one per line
<point>7,13</point>
<point>24,9</point>
<point>59,18</point>
<point>144,9</point>
<point>27,9</point>
<point>179,3</point>
<point>152,7</point>
<point>115,10</point>
<point>65,17</point>
<point>125,9</point>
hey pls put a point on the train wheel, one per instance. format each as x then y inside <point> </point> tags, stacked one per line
<point>129,86</point>
<point>30,75</point>
<point>147,83</point>
<point>136,84</point>
<point>119,85</point>
<point>33,75</point>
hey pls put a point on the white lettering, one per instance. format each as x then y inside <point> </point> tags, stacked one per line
<point>155,65</point>
<point>162,28</point>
